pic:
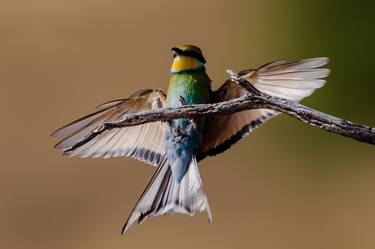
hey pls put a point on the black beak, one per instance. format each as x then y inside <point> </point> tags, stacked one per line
<point>176,50</point>
<point>189,53</point>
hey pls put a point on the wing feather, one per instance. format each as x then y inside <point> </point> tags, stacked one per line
<point>292,80</point>
<point>144,142</point>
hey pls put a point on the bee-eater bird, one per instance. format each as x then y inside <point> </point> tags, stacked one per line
<point>176,146</point>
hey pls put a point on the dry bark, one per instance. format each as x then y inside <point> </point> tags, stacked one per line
<point>253,100</point>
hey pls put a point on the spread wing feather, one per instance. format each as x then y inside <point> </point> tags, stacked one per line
<point>144,142</point>
<point>292,80</point>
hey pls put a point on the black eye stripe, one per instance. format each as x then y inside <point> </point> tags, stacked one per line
<point>192,54</point>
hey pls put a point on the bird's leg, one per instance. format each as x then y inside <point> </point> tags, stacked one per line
<point>192,124</point>
<point>184,102</point>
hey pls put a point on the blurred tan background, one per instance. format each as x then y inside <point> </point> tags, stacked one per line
<point>287,185</point>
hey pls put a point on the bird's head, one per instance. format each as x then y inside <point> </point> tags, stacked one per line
<point>187,58</point>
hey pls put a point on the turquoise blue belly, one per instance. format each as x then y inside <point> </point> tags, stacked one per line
<point>185,135</point>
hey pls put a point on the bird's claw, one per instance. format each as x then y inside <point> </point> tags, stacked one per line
<point>183,100</point>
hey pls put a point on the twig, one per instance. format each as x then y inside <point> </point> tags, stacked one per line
<point>253,100</point>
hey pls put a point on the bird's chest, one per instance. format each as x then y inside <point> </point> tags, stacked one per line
<point>187,89</point>
<point>185,134</point>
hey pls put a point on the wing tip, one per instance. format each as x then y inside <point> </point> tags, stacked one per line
<point>57,133</point>
<point>320,61</point>
<point>325,72</point>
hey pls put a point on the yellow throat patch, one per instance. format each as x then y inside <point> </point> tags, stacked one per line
<point>185,63</point>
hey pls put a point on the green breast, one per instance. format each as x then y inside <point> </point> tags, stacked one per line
<point>194,87</point>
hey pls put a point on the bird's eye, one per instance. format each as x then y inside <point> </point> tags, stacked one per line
<point>174,55</point>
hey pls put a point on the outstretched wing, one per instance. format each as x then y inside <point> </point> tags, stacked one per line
<point>292,80</point>
<point>144,142</point>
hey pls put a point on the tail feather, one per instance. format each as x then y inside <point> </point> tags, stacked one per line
<point>163,194</point>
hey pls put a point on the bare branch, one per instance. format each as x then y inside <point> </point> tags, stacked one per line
<point>253,100</point>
